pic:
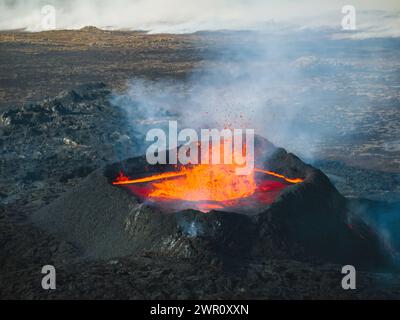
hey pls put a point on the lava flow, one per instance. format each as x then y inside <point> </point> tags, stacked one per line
<point>206,186</point>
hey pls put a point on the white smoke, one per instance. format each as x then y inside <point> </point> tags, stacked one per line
<point>376,18</point>
<point>302,91</point>
<point>267,80</point>
<point>251,87</point>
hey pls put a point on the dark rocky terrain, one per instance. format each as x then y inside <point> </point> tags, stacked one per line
<point>308,221</point>
<point>66,59</point>
<point>58,125</point>
<point>49,148</point>
<point>346,89</point>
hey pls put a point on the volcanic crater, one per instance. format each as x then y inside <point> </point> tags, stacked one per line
<point>293,213</point>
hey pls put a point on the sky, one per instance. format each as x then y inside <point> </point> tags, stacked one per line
<point>374,17</point>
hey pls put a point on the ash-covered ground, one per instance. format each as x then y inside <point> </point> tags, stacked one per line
<point>50,144</point>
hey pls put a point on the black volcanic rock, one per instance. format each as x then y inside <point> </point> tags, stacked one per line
<point>49,147</point>
<point>308,221</point>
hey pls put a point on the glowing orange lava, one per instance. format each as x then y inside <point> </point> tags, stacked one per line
<point>271,173</point>
<point>202,182</point>
<point>209,186</point>
<point>206,182</point>
<point>121,179</point>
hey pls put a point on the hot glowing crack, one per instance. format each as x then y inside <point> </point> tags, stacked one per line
<point>202,183</point>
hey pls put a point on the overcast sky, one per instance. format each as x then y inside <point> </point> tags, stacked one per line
<point>193,15</point>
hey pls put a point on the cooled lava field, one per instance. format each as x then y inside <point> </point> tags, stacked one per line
<point>66,135</point>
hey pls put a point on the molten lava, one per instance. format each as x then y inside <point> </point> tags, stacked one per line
<point>208,187</point>
<point>271,173</point>
<point>206,183</point>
